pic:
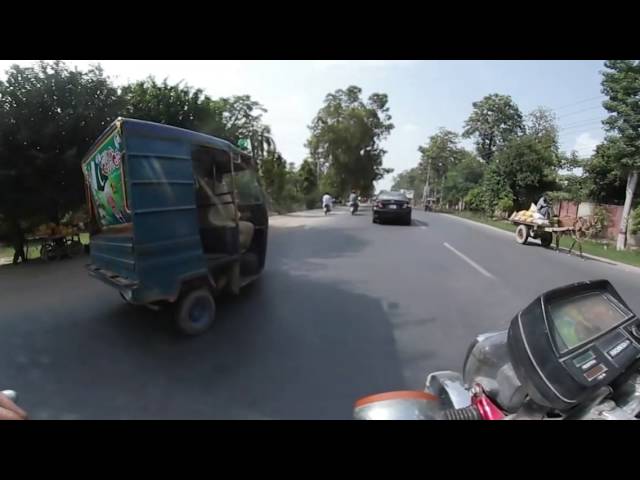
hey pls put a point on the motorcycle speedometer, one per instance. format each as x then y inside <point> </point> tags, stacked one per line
<point>571,341</point>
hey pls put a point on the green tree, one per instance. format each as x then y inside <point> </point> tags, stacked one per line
<point>242,118</point>
<point>493,193</point>
<point>474,200</point>
<point>621,83</point>
<point>570,161</point>
<point>465,175</point>
<point>273,170</point>
<point>573,188</point>
<point>346,136</point>
<point>528,168</point>
<point>440,154</point>
<point>494,121</point>
<point>605,177</point>
<point>50,115</point>
<point>411,179</point>
<point>282,183</point>
<point>308,177</point>
<point>308,183</point>
<point>233,118</point>
<point>635,221</point>
<point>293,195</point>
<point>541,123</point>
<point>179,105</point>
<point>332,183</point>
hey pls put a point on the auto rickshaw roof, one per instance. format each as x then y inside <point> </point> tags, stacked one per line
<point>159,130</point>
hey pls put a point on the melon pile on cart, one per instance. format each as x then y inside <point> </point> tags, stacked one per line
<point>58,241</point>
<point>529,216</point>
<point>53,230</point>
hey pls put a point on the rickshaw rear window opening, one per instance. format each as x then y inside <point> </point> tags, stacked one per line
<point>208,161</point>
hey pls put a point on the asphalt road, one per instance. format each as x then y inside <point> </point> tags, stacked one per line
<point>345,308</point>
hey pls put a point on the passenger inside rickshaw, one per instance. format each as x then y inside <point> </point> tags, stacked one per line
<point>221,229</point>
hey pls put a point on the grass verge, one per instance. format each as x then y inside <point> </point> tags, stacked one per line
<point>603,250</point>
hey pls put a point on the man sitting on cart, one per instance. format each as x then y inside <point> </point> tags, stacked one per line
<point>544,207</point>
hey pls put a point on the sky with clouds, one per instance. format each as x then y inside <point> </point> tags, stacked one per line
<point>423,95</point>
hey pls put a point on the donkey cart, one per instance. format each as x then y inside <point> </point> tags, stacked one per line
<point>545,233</point>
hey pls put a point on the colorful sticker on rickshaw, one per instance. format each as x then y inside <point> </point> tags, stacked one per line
<point>104,174</point>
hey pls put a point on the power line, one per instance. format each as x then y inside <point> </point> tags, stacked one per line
<point>580,122</point>
<point>566,145</point>
<point>593,123</point>
<point>578,125</point>
<point>579,111</point>
<point>574,130</point>
<point>581,101</point>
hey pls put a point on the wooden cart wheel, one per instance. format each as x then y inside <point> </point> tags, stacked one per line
<point>522,234</point>
<point>546,238</point>
<point>74,248</point>
<point>48,252</point>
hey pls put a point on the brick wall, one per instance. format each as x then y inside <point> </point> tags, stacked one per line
<point>566,209</point>
<point>573,209</point>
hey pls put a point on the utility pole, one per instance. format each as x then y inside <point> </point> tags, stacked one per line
<point>315,157</point>
<point>426,192</point>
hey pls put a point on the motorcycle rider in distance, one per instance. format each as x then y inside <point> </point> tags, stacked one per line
<point>327,202</point>
<point>353,202</point>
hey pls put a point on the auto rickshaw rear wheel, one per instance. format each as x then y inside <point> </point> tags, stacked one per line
<point>195,312</point>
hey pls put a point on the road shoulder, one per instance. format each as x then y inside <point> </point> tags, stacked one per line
<point>624,266</point>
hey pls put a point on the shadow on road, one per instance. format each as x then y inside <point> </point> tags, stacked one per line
<point>305,215</point>
<point>396,224</point>
<point>289,347</point>
<point>270,355</point>
<point>288,246</point>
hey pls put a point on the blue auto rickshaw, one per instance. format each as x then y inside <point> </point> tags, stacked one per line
<point>177,217</point>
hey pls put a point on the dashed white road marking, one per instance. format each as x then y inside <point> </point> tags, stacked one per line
<point>469,261</point>
<point>423,227</point>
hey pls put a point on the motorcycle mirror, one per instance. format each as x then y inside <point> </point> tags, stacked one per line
<point>10,394</point>
<point>399,405</point>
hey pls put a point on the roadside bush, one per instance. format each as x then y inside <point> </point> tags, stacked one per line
<point>505,205</point>
<point>600,216</point>
<point>495,190</point>
<point>635,221</point>
<point>474,199</point>
<point>312,200</point>
<point>292,201</point>
<point>559,196</point>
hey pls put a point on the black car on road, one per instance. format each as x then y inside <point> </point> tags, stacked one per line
<point>392,206</point>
